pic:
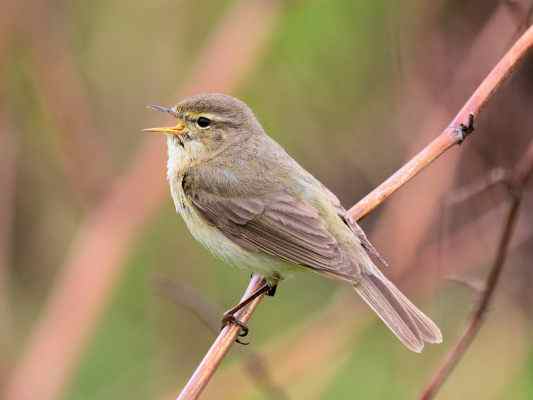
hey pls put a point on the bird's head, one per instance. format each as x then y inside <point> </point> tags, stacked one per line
<point>206,124</point>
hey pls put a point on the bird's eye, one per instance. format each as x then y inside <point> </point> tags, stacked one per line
<point>203,122</point>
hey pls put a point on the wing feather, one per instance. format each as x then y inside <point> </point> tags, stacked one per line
<point>276,223</point>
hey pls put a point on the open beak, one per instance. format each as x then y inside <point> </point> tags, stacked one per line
<point>171,130</point>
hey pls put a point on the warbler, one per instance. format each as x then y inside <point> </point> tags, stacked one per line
<point>250,203</point>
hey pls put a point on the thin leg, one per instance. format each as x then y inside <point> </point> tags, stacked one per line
<point>229,316</point>
<point>273,283</point>
<point>263,289</point>
<point>272,290</point>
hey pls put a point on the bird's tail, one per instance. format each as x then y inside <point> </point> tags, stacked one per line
<point>407,322</point>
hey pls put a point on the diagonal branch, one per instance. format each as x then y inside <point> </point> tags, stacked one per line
<point>454,134</point>
<point>451,135</point>
<point>209,314</point>
<point>516,184</point>
<point>221,346</point>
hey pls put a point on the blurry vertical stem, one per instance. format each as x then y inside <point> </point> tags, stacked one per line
<point>86,160</point>
<point>516,185</point>
<point>454,134</point>
<point>7,213</point>
<point>97,254</point>
<point>11,11</point>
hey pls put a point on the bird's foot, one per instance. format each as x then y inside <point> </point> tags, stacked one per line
<point>271,290</point>
<point>230,319</point>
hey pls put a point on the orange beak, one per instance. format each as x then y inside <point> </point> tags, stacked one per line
<point>171,130</point>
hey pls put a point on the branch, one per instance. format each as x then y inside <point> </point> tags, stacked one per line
<point>220,347</point>
<point>404,250</point>
<point>450,136</point>
<point>209,314</point>
<point>453,135</point>
<point>516,185</point>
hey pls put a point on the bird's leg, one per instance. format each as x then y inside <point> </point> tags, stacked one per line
<point>272,290</point>
<point>265,287</point>
<point>229,316</point>
<point>272,282</point>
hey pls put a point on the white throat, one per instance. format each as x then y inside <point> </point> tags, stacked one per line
<point>181,157</point>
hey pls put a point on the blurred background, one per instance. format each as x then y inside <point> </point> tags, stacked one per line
<point>104,294</point>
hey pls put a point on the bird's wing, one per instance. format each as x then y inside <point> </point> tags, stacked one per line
<point>275,223</point>
<point>367,245</point>
<point>356,229</point>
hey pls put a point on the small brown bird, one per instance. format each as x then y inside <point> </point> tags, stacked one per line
<point>245,199</point>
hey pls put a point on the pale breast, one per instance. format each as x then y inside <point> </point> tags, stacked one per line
<point>179,160</point>
<point>218,244</point>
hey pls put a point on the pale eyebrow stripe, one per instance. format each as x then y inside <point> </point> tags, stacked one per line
<point>193,116</point>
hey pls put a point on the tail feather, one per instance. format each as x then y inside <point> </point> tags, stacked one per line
<point>403,318</point>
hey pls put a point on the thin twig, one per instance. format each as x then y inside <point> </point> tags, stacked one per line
<point>190,299</point>
<point>403,250</point>
<point>494,178</point>
<point>453,135</point>
<point>450,136</point>
<point>516,185</point>
<point>428,92</point>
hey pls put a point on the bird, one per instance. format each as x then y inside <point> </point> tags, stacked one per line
<point>245,199</point>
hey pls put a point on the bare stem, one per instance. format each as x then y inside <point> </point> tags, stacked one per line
<point>516,185</point>
<point>451,136</point>
<point>220,347</point>
<point>209,314</point>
